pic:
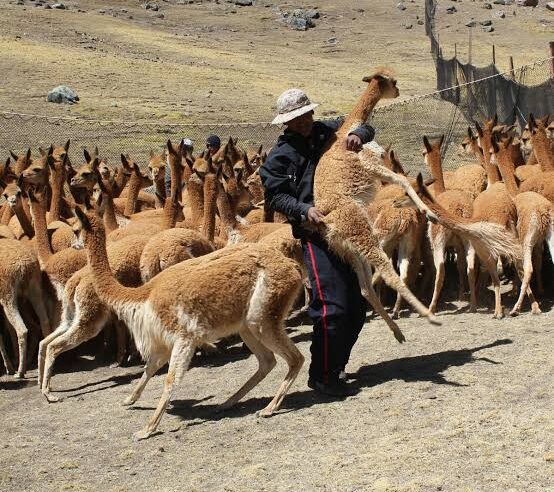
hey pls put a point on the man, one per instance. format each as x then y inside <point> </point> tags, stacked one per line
<point>187,146</point>
<point>337,308</point>
<point>213,142</point>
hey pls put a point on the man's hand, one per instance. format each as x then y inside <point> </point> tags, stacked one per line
<point>353,143</point>
<point>315,216</point>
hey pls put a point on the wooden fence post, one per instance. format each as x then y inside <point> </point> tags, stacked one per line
<point>552,59</point>
<point>512,73</point>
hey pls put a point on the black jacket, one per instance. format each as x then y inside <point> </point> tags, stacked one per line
<point>288,173</point>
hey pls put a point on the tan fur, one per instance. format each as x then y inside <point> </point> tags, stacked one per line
<point>459,203</point>
<point>21,277</point>
<point>169,316</point>
<point>83,313</point>
<point>343,182</point>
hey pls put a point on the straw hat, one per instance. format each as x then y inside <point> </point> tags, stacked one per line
<point>291,104</point>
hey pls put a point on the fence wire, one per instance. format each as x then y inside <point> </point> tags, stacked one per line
<point>465,94</point>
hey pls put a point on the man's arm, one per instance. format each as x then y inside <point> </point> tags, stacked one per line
<point>278,186</point>
<point>366,133</point>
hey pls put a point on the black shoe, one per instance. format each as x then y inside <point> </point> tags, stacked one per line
<point>335,388</point>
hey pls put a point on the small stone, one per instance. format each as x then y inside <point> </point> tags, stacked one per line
<point>101,11</point>
<point>549,456</point>
<point>550,6</point>
<point>486,23</point>
<point>161,449</point>
<point>60,6</point>
<point>528,3</point>
<point>401,6</point>
<point>471,23</point>
<point>487,6</point>
<point>242,3</point>
<point>420,22</point>
<point>332,40</point>
<point>451,9</point>
<point>47,6</point>
<point>407,26</point>
<point>151,6</point>
<point>62,94</point>
<point>501,14</point>
<point>488,28</point>
<point>160,15</point>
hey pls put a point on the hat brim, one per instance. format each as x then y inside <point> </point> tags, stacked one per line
<point>286,117</point>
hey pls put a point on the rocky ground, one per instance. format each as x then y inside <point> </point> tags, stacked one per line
<point>200,61</point>
<point>466,406</point>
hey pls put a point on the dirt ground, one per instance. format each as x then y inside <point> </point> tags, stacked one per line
<point>466,406</point>
<point>212,61</point>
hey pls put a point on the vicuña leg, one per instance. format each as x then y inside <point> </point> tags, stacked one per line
<point>349,233</point>
<point>471,278</point>
<point>88,324</point>
<point>181,355</point>
<point>11,311</point>
<point>152,366</point>
<point>7,362</point>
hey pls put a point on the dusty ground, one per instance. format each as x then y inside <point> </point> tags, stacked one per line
<point>212,61</point>
<point>466,406</point>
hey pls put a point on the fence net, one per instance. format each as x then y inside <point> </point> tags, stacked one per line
<point>465,94</point>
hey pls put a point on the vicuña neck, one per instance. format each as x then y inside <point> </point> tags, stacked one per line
<point>362,110</point>
<point>110,291</point>
<point>132,195</point>
<point>38,211</point>
<point>434,161</point>
<point>210,206</point>
<point>507,169</point>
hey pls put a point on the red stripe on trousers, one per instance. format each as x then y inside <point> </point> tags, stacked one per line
<point>325,334</point>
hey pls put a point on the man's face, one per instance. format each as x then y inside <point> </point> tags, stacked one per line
<point>302,124</point>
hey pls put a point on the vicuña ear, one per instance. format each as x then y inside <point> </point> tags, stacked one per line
<point>66,146</point>
<point>479,129</point>
<point>95,164</point>
<point>427,144</point>
<point>441,141</point>
<point>15,157</point>
<point>87,156</point>
<point>419,181</point>
<point>470,133</point>
<point>82,218</point>
<point>495,120</point>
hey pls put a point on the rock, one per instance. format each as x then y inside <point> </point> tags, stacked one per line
<point>550,6</point>
<point>549,456</point>
<point>242,3</point>
<point>471,23</point>
<point>408,26</point>
<point>420,22</point>
<point>47,6</point>
<point>332,40</point>
<point>528,3</point>
<point>300,19</point>
<point>151,6</point>
<point>488,28</point>
<point>62,94</point>
<point>501,14</point>
<point>60,6</point>
<point>486,23</point>
<point>401,6</point>
<point>487,6</point>
<point>451,9</point>
<point>160,16</point>
<point>297,23</point>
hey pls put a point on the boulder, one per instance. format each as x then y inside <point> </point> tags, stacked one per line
<point>62,95</point>
<point>242,3</point>
<point>527,3</point>
<point>550,6</point>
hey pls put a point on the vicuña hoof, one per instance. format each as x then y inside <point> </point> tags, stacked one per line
<point>434,320</point>
<point>128,401</point>
<point>142,434</point>
<point>514,313</point>
<point>535,309</point>
<point>51,398</point>
<point>19,375</point>
<point>265,413</point>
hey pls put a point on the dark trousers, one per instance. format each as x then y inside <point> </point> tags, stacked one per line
<point>337,309</point>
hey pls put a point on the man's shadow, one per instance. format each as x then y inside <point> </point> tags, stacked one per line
<point>410,369</point>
